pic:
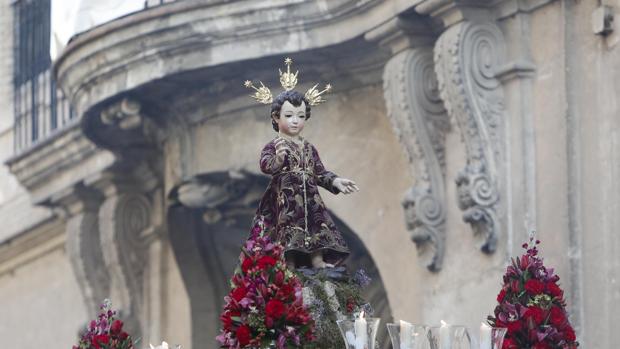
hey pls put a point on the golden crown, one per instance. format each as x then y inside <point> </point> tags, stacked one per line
<point>288,81</point>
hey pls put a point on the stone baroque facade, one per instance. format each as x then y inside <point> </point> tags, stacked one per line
<point>466,124</point>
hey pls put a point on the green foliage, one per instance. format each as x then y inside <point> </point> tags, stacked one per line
<point>350,302</point>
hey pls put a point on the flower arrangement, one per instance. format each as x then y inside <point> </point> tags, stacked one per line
<point>106,332</point>
<point>531,305</point>
<point>265,305</point>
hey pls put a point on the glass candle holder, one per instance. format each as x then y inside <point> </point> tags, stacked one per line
<point>408,336</point>
<point>492,337</point>
<point>359,333</point>
<point>449,337</point>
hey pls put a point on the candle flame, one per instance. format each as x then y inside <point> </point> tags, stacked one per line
<point>443,323</point>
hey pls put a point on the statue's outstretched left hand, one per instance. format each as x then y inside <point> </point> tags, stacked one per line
<point>346,186</point>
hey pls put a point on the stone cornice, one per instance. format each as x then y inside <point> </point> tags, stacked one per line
<point>454,11</point>
<point>21,249</point>
<point>149,45</point>
<point>61,161</point>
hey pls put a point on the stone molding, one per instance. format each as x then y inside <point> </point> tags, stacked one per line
<point>58,163</point>
<point>455,11</point>
<point>467,56</point>
<point>134,50</point>
<point>420,122</point>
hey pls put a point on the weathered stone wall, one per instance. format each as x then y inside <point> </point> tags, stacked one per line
<point>561,162</point>
<point>41,302</point>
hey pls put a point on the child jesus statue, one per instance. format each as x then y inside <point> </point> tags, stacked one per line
<point>291,209</point>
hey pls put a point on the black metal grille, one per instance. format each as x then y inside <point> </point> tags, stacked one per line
<point>39,106</point>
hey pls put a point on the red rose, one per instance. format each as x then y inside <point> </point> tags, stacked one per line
<point>268,322</point>
<point>266,262</point>
<point>513,326</point>
<point>509,343</point>
<point>99,340</point>
<point>557,316</point>
<point>536,314</point>
<point>554,290</point>
<point>243,335</point>
<point>239,293</point>
<point>350,306</point>
<point>534,287</point>
<point>569,334</point>
<point>274,308</point>
<point>227,320</point>
<point>541,345</point>
<point>287,291</point>
<point>246,265</point>
<point>501,295</point>
<point>116,327</point>
<point>123,336</point>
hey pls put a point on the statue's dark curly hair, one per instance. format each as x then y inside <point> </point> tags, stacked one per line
<point>294,97</point>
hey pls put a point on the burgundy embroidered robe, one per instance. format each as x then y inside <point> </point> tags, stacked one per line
<point>292,208</point>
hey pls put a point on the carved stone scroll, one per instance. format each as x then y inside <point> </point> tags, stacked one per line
<point>84,246</point>
<point>420,121</point>
<point>124,223</point>
<point>467,56</point>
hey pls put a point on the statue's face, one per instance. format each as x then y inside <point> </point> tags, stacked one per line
<point>292,118</point>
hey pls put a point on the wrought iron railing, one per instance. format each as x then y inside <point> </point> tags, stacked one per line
<point>40,107</point>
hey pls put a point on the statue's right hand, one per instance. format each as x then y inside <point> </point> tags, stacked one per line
<point>281,150</point>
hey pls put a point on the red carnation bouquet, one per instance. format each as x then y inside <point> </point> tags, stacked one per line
<point>106,332</point>
<point>265,305</point>
<point>531,305</point>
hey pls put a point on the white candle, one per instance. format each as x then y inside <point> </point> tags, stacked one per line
<point>360,331</point>
<point>405,335</point>
<point>485,337</point>
<point>444,335</point>
<point>350,338</point>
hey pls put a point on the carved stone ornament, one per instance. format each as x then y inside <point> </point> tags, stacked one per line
<point>124,222</point>
<point>125,113</point>
<point>467,56</point>
<point>221,193</point>
<point>420,122</point>
<point>84,248</point>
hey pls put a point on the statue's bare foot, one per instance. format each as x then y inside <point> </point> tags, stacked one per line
<point>318,262</point>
